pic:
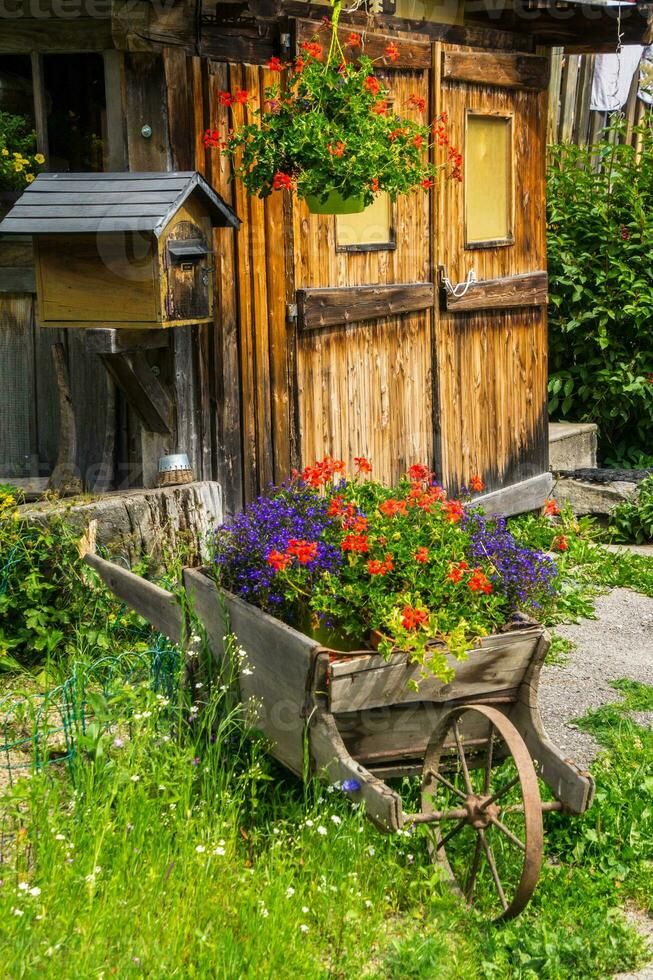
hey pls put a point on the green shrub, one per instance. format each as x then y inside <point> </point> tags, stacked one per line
<point>600,247</point>
<point>19,161</point>
<point>633,520</point>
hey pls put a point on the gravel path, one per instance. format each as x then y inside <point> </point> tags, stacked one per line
<point>618,643</point>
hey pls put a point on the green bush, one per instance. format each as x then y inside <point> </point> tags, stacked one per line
<point>633,519</point>
<point>600,246</point>
<point>19,162</point>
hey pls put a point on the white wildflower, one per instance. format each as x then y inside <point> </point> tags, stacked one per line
<point>371,851</point>
<point>305,909</point>
<point>135,778</point>
<point>303,928</point>
<point>59,837</point>
<point>290,891</point>
<point>35,891</point>
<point>321,830</point>
<point>368,904</point>
<point>23,886</point>
<point>220,851</point>
<point>335,818</point>
<point>18,911</point>
<point>309,823</point>
<point>200,848</point>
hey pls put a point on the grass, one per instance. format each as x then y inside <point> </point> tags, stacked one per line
<point>175,854</point>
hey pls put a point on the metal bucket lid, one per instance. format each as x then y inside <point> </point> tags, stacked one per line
<point>177,461</point>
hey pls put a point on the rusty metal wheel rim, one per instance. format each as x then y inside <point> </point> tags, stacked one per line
<point>480,811</point>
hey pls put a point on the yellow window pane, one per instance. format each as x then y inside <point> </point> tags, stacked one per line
<point>373,226</point>
<point>488,178</point>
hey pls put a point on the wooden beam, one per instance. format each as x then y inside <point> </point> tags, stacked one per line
<point>499,294</point>
<point>49,34</point>
<point>518,498</point>
<point>65,475</point>
<point>142,389</point>
<point>330,306</point>
<point>114,90</point>
<point>413,53</point>
<point>109,340</point>
<point>522,71</point>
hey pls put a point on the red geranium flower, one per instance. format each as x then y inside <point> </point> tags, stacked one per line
<point>372,84</point>
<point>412,618</point>
<point>375,184</point>
<point>242,96</point>
<point>281,182</point>
<point>274,64</point>
<point>304,551</point>
<point>419,472</point>
<point>381,108</point>
<point>428,184</point>
<point>560,543</point>
<point>211,139</point>
<point>551,508</point>
<point>362,465</point>
<point>422,556</point>
<point>354,40</point>
<point>476,483</point>
<point>479,582</point>
<point>278,560</point>
<point>355,542</point>
<point>453,511</point>
<point>418,102</point>
<point>224,98</point>
<point>392,51</point>
<point>376,567</point>
<point>338,150</point>
<point>313,49</point>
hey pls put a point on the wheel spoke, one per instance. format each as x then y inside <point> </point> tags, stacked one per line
<point>488,759</point>
<point>509,834</point>
<point>476,863</point>
<point>450,786</point>
<point>463,760</point>
<point>493,868</point>
<point>501,792</point>
<point>452,833</point>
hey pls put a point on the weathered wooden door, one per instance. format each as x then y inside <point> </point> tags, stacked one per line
<point>364,356</point>
<point>491,342</point>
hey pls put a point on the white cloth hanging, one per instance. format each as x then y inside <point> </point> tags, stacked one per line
<point>613,76</point>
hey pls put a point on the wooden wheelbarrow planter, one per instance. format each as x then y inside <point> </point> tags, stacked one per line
<point>363,724</point>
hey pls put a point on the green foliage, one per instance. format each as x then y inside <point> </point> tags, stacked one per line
<point>332,127</point>
<point>632,520</point>
<point>48,595</point>
<point>19,163</point>
<point>600,260</point>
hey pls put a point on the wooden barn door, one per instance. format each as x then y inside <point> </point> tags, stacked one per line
<point>364,380</point>
<point>491,341</point>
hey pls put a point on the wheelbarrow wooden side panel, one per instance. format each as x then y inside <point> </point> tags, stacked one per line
<point>280,669</point>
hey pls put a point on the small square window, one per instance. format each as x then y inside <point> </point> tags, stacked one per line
<point>488,168</point>
<point>371,230</point>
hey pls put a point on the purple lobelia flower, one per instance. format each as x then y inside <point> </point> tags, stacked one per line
<point>241,548</point>
<point>525,577</point>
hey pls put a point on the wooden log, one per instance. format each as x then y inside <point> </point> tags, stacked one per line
<point>104,340</point>
<point>530,289</point>
<point>496,70</point>
<point>329,306</point>
<point>496,667</point>
<point>156,605</point>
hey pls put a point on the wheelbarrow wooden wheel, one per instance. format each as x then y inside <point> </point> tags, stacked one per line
<point>481,803</point>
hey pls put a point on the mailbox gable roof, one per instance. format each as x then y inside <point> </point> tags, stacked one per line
<point>95,203</point>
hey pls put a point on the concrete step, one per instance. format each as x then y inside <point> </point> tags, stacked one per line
<point>572,445</point>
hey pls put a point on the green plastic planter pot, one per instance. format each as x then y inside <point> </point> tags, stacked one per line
<point>335,203</point>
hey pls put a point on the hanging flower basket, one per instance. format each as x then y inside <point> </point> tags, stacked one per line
<point>329,131</point>
<point>335,203</point>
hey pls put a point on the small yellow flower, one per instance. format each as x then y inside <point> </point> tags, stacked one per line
<point>29,178</point>
<point>18,167</point>
<point>39,158</point>
<point>16,156</point>
<point>4,151</point>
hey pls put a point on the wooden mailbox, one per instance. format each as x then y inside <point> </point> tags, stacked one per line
<point>130,250</point>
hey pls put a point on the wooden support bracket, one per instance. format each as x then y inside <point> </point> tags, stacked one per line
<point>529,289</point>
<point>331,306</point>
<point>134,376</point>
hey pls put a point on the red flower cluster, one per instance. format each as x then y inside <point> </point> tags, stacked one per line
<point>375,567</point>
<point>393,507</point>
<point>428,184</point>
<point>396,133</point>
<point>313,50</point>
<point>551,508</point>
<point>282,182</point>
<point>453,511</point>
<point>417,102</point>
<point>560,543</point>
<point>304,551</point>
<point>479,582</point>
<point>375,184</point>
<point>319,474</point>
<point>380,109</point>
<point>392,51</point>
<point>422,556</point>
<point>241,97</point>
<point>419,472</point>
<point>476,484</point>
<point>356,543</point>
<point>362,465</point>
<point>211,139</point>
<point>338,150</point>
<point>456,572</point>
<point>354,40</point>
<point>372,84</point>
<point>412,618</point>
<point>441,137</point>
<point>274,64</point>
